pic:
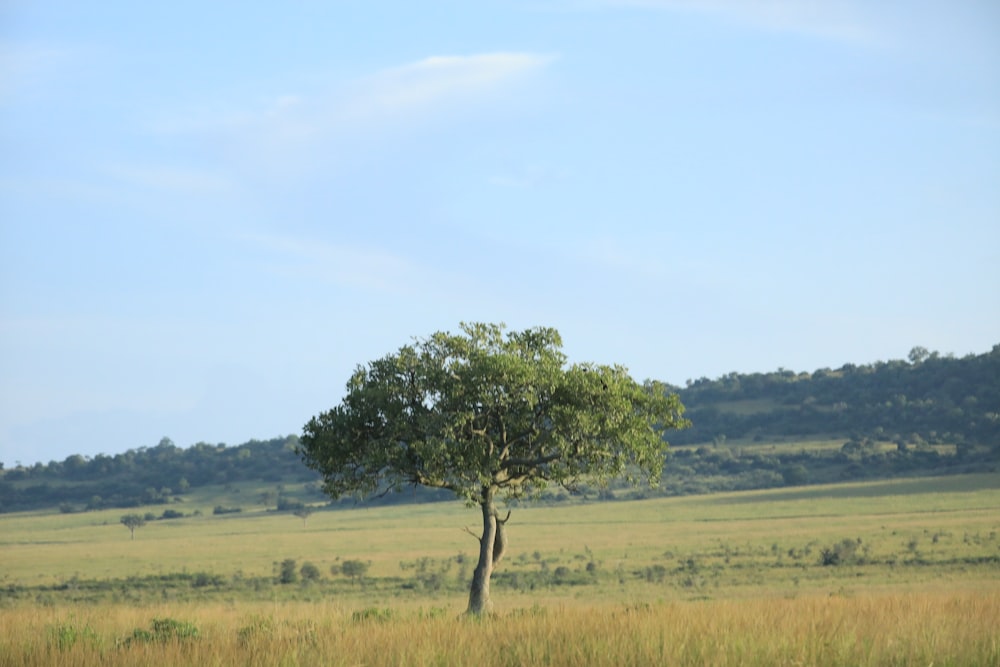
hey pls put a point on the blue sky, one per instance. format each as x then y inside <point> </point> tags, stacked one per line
<point>210,213</point>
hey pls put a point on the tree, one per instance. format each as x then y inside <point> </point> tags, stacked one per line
<point>133,521</point>
<point>355,569</point>
<point>918,355</point>
<point>303,513</point>
<point>492,416</point>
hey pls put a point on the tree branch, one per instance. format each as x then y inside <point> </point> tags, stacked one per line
<point>531,463</point>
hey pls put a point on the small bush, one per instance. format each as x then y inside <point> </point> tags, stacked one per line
<point>844,552</point>
<point>287,573</point>
<point>203,579</point>
<point>309,572</point>
<point>162,630</point>
<point>66,635</point>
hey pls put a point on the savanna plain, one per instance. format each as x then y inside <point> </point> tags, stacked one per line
<point>898,572</point>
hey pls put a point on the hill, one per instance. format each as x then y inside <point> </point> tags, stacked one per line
<point>929,415</point>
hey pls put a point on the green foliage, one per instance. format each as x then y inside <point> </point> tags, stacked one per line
<point>287,573</point>
<point>309,572</point>
<point>795,475</point>
<point>133,521</point>
<point>162,630</point>
<point>355,569</point>
<point>938,398</point>
<point>845,552</point>
<point>65,636</point>
<point>148,475</point>
<point>488,409</point>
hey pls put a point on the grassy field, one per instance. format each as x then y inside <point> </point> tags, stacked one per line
<point>891,572</point>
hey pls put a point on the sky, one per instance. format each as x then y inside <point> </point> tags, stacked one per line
<point>212,212</point>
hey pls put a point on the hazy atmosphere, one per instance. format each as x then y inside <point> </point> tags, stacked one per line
<point>210,213</point>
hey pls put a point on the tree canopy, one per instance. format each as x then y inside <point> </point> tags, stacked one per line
<point>488,408</point>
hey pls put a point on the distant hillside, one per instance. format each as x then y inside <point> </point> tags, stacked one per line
<point>931,414</point>
<point>930,398</point>
<point>148,475</point>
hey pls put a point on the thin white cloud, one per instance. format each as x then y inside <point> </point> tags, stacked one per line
<point>287,132</point>
<point>442,80</point>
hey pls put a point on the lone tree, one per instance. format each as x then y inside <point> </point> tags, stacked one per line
<point>133,521</point>
<point>303,513</point>
<point>490,415</point>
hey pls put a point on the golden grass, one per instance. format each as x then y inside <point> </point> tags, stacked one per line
<point>954,628</point>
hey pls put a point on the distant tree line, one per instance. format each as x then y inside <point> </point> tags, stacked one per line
<point>148,475</point>
<point>926,400</point>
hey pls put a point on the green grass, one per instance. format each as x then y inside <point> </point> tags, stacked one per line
<point>722,545</point>
<point>735,578</point>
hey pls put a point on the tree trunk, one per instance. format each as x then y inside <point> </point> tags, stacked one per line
<point>479,594</point>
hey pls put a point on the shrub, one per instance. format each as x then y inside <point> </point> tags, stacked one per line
<point>309,572</point>
<point>844,552</point>
<point>162,630</point>
<point>203,579</point>
<point>66,635</point>
<point>287,573</point>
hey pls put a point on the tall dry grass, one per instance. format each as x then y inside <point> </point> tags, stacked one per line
<point>941,628</point>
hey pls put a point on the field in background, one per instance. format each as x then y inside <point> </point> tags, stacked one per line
<point>844,574</point>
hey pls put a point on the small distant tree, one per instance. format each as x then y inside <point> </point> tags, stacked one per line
<point>918,355</point>
<point>303,513</point>
<point>795,475</point>
<point>267,498</point>
<point>355,569</point>
<point>133,521</point>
